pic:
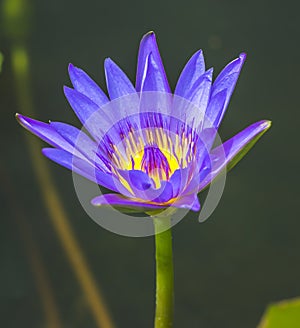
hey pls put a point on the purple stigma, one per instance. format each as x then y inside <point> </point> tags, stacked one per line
<point>155,163</point>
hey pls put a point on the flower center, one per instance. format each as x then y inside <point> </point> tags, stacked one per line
<point>157,163</point>
<point>155,151</point>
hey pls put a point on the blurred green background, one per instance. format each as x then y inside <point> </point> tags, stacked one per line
<point>228,269</point>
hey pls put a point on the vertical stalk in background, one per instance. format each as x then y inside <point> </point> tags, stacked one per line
<point>164,273</point>
<point>1,61</point>
<point>32,251</point>
<point>17,18</point>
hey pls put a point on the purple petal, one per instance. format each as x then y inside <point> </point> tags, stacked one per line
<point>196,180</point>
<point>200,92</point>
<point>80,167</point>
<point>121,201</point>
<point>85,85</point>
<point>194,68</point>
<point>196,204</point>
<point>91,115</point>
<point>215,109</point>
<point>197,170</point>
<point>191,109</point>
<point>148,45</point>
<point>118,84</point>
<point>233,67</point>
<point>79,140</point>
<point>83,106</point>
<point>162,194</point>
<point>152,79</point>
<point>190,201</point>
<point>138,180</point>
<point>226,80</point>
<point>45,132</point>
<point>225,153</point>
<point>143,187</point>
<point>206,140</point>
<point>74,135</point>
<point>178,180</point>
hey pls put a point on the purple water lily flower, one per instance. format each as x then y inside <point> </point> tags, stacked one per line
<point>151,148</point>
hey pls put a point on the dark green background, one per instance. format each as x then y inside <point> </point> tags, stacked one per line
<point>226,270</point>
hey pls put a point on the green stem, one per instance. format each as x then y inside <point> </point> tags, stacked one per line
<point>164,273</point>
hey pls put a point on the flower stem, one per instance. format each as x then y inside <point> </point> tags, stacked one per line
<point>164,273</point>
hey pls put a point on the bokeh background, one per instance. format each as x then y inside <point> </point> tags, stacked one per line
<point>228,269</point>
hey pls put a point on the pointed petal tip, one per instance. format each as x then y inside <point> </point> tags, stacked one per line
<point>23,120</point>
<point>237,62</point>
<point>266,124</point>
<point>44,151</point>
<point>209,72</point>
<point>48,152</point>
<point>20,119</point>
<point>149,34</point>
<point>70,67</point>
<point>94,202</point>
<point>149,39</point>
<point>108,65</point>
<point>243,56</point>
<point>72,70</point>
<point>67,90</point>
<point>198,53</point>
<point>108,61</point>
<point>99,201</point>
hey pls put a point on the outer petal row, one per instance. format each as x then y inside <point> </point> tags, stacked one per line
<point>65,137</point>
<point>80,167</point>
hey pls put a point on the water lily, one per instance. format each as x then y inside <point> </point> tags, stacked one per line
<point>151,148</point>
